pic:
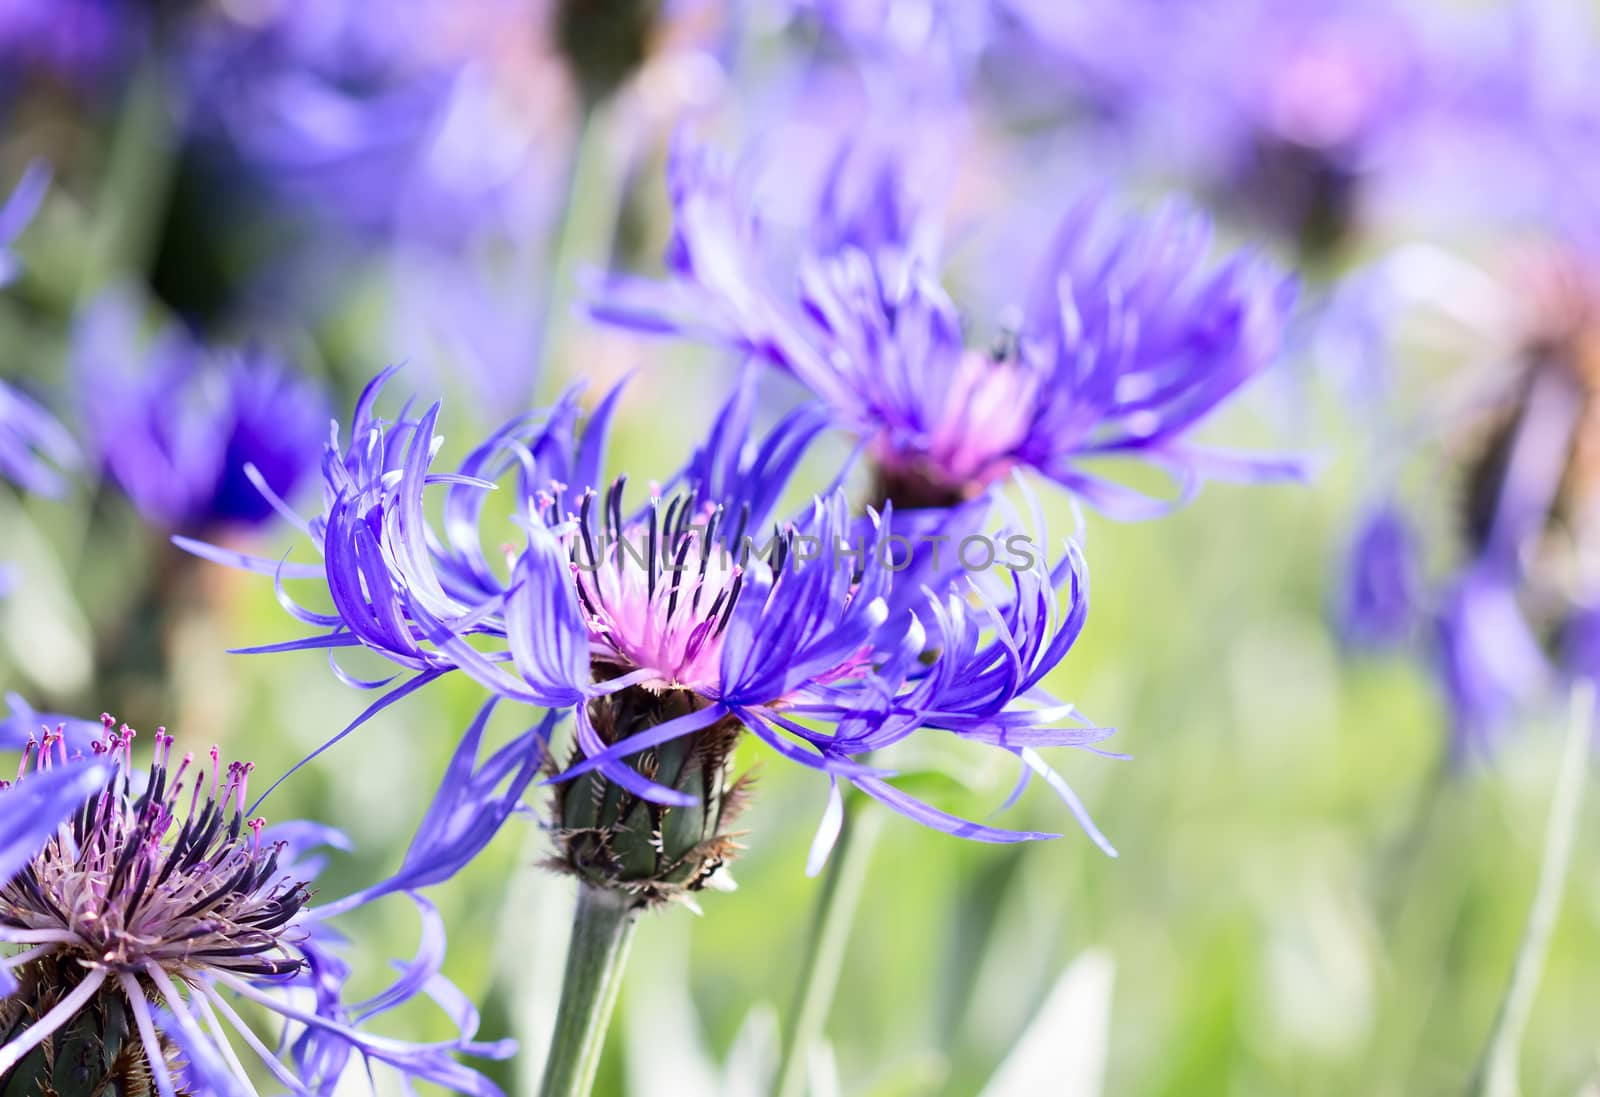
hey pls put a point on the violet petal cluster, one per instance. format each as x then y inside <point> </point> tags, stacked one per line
<point>791,627</point>
<point>1127,339</point>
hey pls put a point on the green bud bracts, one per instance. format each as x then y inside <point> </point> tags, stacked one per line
<point>96,1054</point>
<point>611,838</point>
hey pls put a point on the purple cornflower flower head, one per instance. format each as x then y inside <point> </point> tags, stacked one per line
<point>1382,597</point>
<point>1127,339</point>
<point>146,907</point>
<point>185,431</point>
<point>668,628</point>
<point>667,637</point>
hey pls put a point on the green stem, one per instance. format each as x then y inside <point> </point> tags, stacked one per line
<point>602,931</point>
<point>1501,1064</point>
<point>587,230</point>
<point>137,184</point>
<point>842,884</point>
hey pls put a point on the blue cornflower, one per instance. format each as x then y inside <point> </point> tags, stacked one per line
<point>148,906</point>
<point>179,427</point>
<point>669,627</point>
<point>1124,343</point>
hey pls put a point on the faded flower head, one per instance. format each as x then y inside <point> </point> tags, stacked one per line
<point>186,431</point>
<point>144,907</point>
<point>1128,338</point>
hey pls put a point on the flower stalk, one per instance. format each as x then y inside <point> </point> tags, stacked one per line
<point>602,932</point>
<point>842,885</point>
<point>1498,1075</point>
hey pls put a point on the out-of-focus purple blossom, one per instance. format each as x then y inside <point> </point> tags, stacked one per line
<point>1282,110</point>
<point>415,124</point>
<point>17,211</point>
<point>698,598</point>
<point>931,45</point>
<point>1518,439</point>
<point>34,447</point>
<point>1489,661</point>
<point>74,40</point>
<point>482,324</point>
<point>222,916</point>
<point>1381,602</point>
<point>185,430</point>
<point>1126,340</point>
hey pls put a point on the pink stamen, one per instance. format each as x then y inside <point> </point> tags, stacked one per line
<point>244,782</point>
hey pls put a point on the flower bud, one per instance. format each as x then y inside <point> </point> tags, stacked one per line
<point>608,837</point>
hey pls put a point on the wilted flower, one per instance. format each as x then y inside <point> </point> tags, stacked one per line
<point>177,425</point>
<point>671,627</point>
<point>147,907</point>
<point>1125,342</point>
